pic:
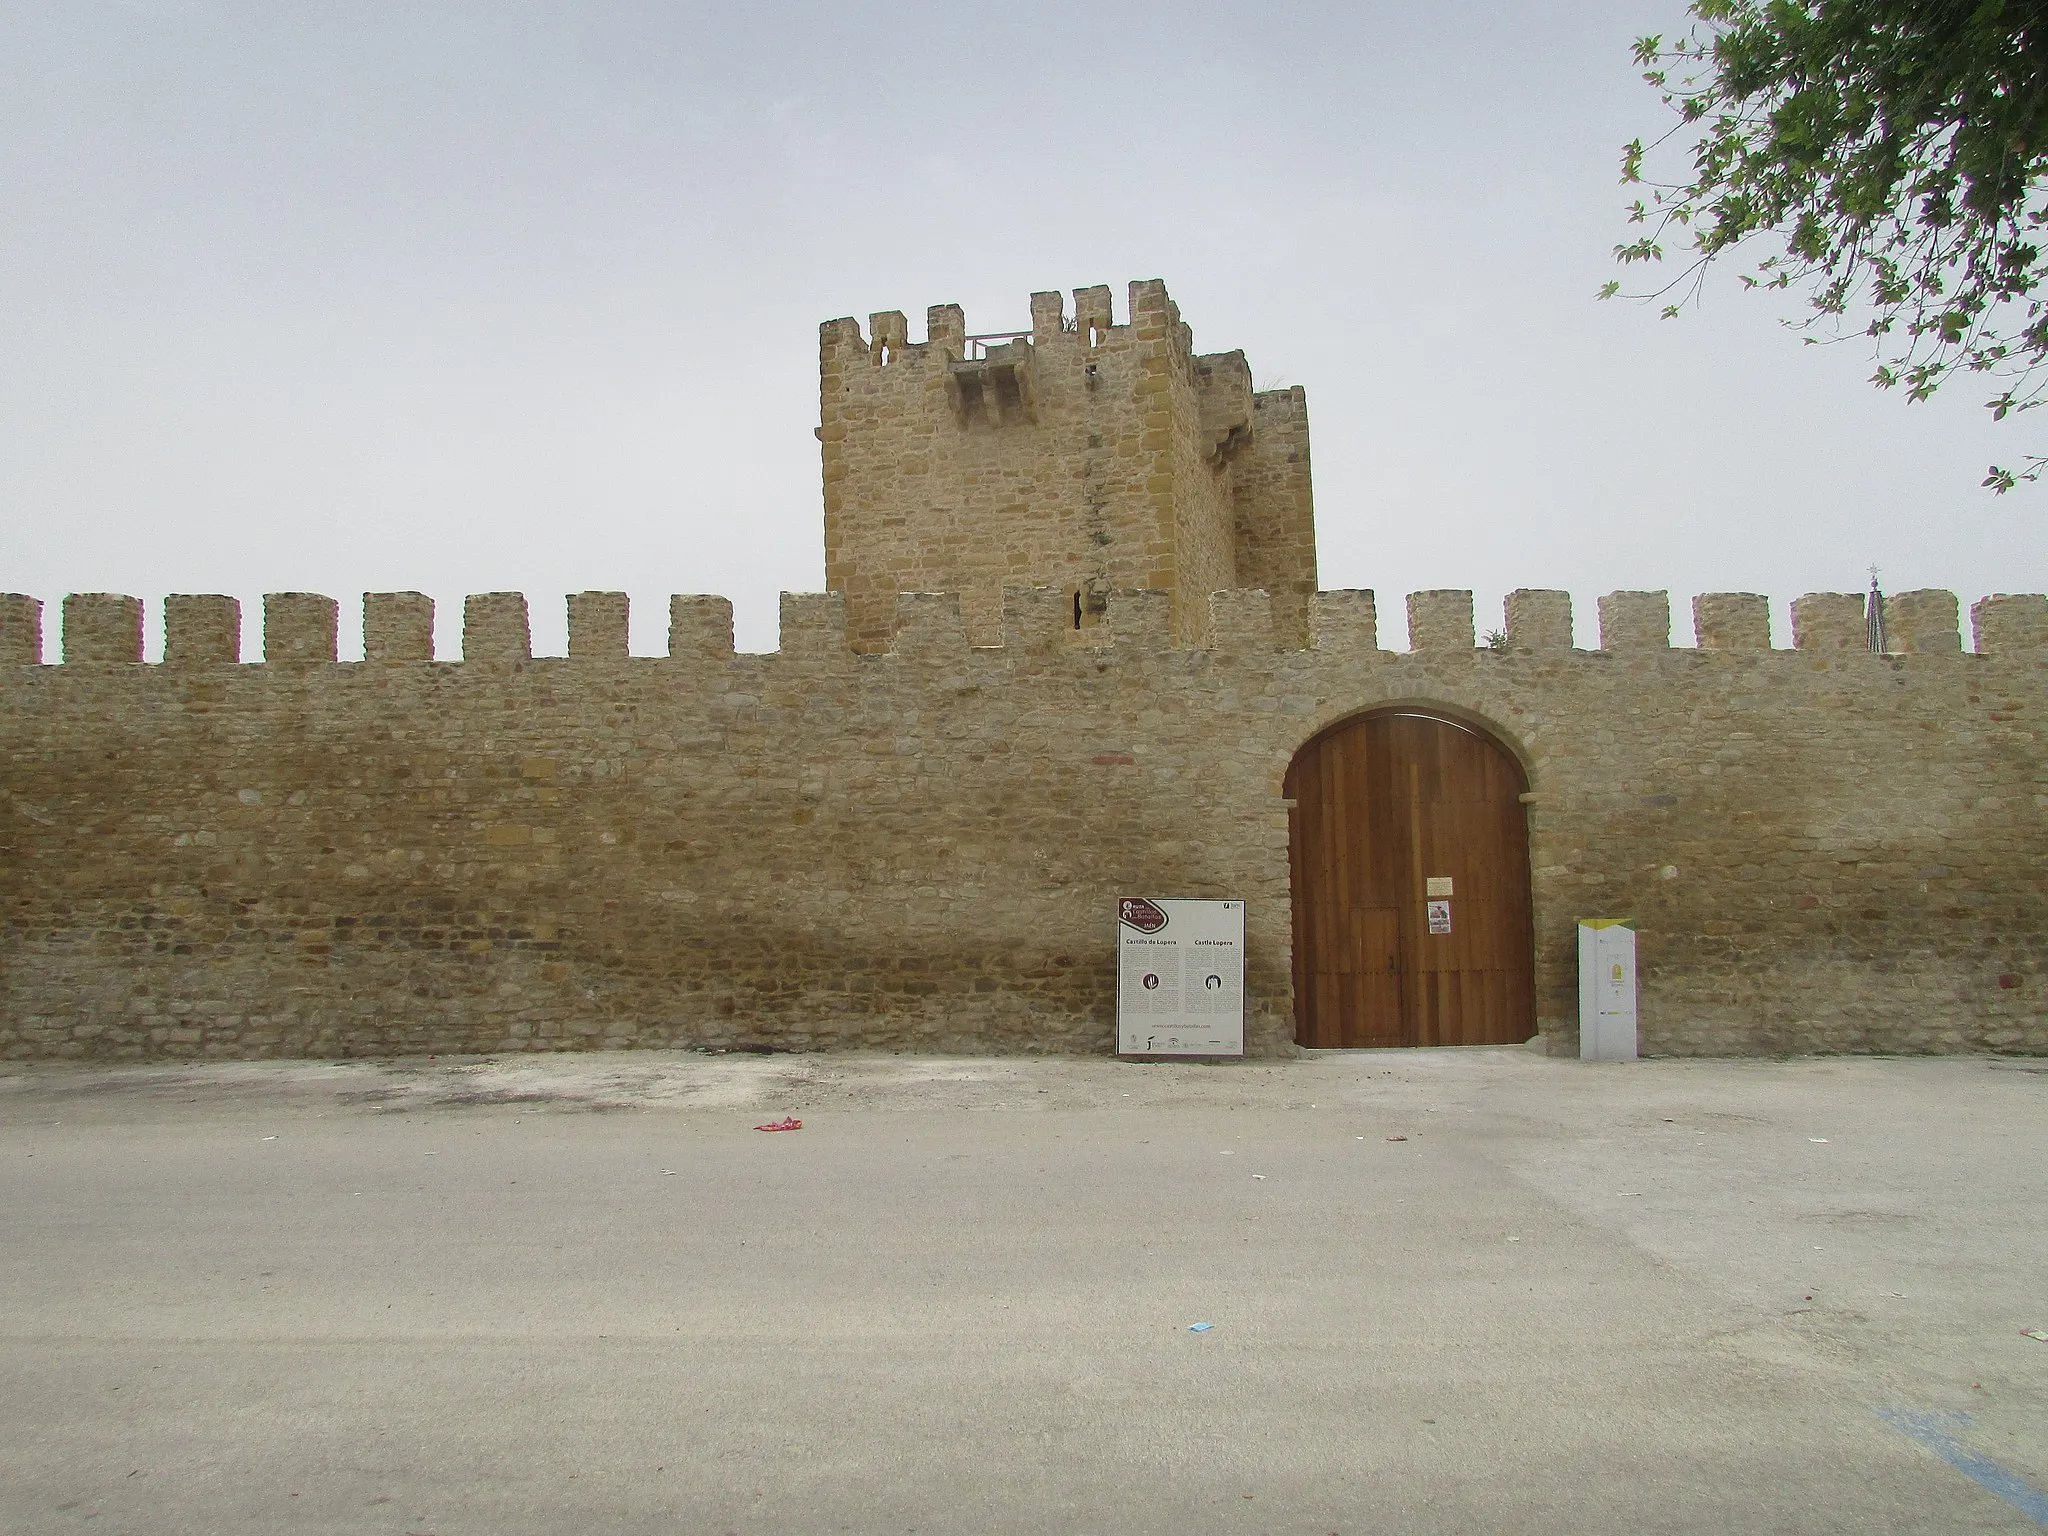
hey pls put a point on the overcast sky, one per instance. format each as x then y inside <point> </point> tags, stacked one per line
<point>478,296</point>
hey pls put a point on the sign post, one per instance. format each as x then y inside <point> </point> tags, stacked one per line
<point>1179,977</point>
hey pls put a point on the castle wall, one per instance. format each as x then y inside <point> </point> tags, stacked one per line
<point>1195,478</point>
<point>1273,509</point>
<point>1087,456</point>
<point>1823,849</point>
<point>935,484</point>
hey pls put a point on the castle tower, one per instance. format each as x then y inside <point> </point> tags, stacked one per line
<point>1081,454</point>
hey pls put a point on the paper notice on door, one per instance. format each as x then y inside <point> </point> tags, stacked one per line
<point>1438,885</point>
<point>1439,916</point>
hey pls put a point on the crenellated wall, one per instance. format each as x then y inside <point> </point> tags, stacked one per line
<point>1083,454</point>
<point>921,847</point>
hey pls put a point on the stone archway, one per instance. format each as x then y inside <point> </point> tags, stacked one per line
<point>1409,848</point>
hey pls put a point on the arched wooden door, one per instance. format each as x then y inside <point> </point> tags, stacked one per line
<point>1394,813</point>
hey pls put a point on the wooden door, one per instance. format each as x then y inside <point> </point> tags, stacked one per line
<point>1384,805</point>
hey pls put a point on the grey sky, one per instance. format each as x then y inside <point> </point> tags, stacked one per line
<point>468,297</point>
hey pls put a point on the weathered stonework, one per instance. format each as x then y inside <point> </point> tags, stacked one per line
<point>1731,621</point>
<point>1830,621</point>
<point>398,626</point>
<point>1539,620</point>
<point>1635,621</point>
<point>1825,849</point>
<point>102,627</point>
<point>203,631</point>
<point>1922,622</point>
<point>299,627</point>
<point>909,827</point>
<point>597,626</point>
<point>1440,621</point>
<point>1081,454</point>
<point>494,627</point>
<point>2007,623</point>
<point>21,630</point>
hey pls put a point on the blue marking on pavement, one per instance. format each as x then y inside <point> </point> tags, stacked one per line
<point>1933,1430</point>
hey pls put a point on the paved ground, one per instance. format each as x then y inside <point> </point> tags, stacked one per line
<point>584,1295</point>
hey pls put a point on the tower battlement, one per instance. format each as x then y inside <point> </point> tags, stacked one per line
<point>1082,454</point>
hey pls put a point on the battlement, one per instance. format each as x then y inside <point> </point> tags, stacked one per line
<point>1150,314</point>
<point>300,629</point>
<point>1085,453</point>
<point>915,846</point>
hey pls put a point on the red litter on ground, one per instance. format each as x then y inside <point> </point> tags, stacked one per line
<point>791,1124</point>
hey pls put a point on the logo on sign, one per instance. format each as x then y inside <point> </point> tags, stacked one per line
<point>1136,912</point>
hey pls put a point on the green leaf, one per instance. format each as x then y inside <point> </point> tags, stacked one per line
<point>1888,160</point>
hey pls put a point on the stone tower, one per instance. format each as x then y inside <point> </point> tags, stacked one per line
<point>1081,454</point>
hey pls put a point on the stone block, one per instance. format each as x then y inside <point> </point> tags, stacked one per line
<point>1038,620</point>
<point>201,630</point>
<point>888,334</point>
<point>1091,313</point>
<point>2010,623</point>
<point>945,331</point>
<point>1923,622</point>
<point>1241,620</point>
<point>1344,621</point>
<point>1539,619</point>
<point>840,340</point>
<point>1731,621</point>
<point>699,628</point>
<point>494,627</point>
<point>598,626</point>
<point>299,627</point>
<point>21,630</point>
<point>102,627</point>
<point>1152,311</point>
<point>1440,621</point>
<point>813,625</point>
<point>1830,621</point>
<point>1141,620</point>
<point>928,626</point>
<point>398,626</point>
<point>1048,315</point>
<point>1635,621</point>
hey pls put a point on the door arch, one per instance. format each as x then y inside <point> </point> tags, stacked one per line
<point>1387,807</point>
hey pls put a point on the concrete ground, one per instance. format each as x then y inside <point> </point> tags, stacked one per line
<point>1451,1291</point>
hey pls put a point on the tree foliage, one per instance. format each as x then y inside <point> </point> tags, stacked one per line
<point>1884,159</point>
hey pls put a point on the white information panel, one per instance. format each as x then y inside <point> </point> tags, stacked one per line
<point>1179,977</point>
<point>1607,989</point>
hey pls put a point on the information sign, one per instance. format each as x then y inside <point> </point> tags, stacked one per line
<point>1607,989</point>
<point>1180,977</point>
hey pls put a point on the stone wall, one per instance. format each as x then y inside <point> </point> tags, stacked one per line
<point>1274,511</point>
<point>1084,455</point>
<point>1823,849</point>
